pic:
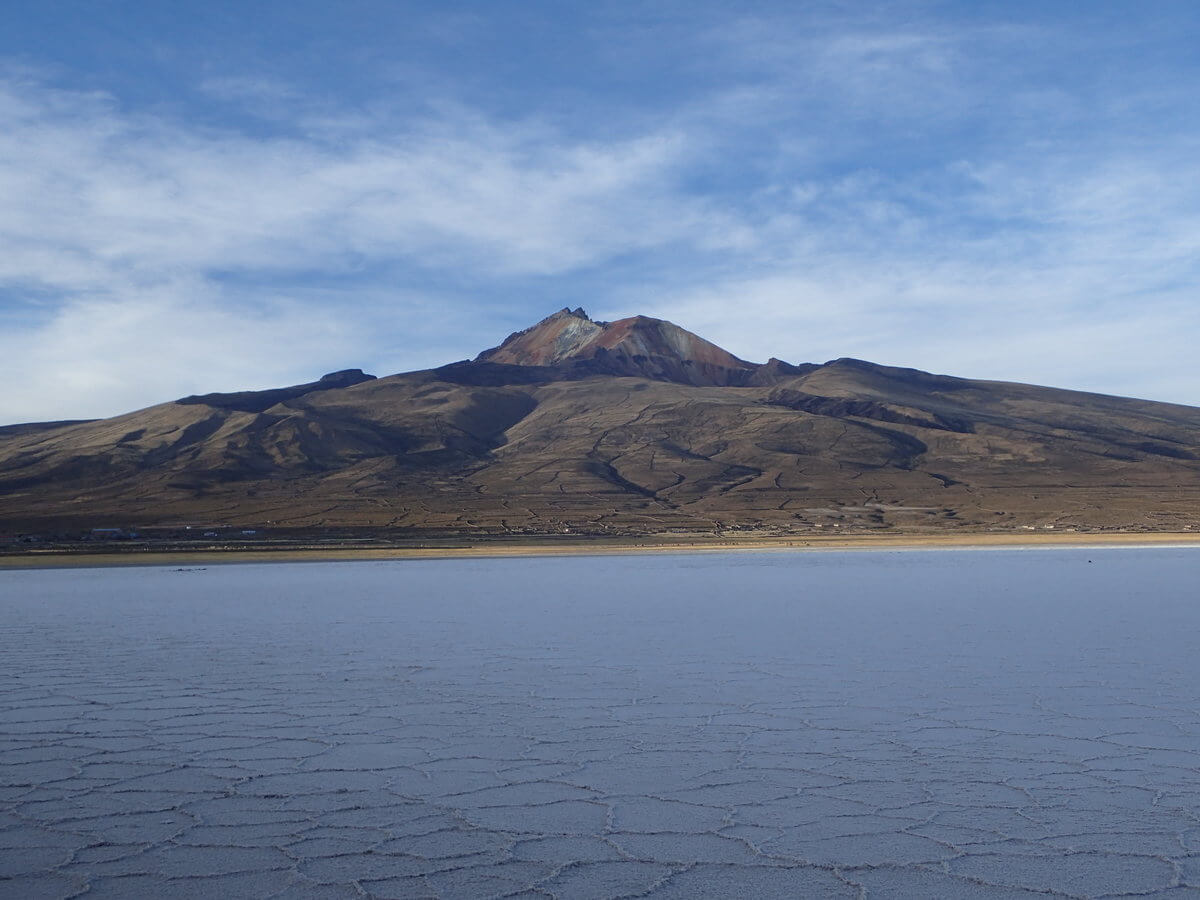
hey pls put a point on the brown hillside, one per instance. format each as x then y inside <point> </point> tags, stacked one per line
<point>631,427</point>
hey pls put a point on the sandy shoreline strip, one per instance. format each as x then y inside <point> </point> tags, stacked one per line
<point>50,559</point>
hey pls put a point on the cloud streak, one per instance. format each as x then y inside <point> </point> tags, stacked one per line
<point>118,191</point>
<point>924,195</point>
<point>123,231</point>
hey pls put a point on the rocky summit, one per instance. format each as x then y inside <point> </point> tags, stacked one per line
<point>615,428</point>
<point>637,346</point>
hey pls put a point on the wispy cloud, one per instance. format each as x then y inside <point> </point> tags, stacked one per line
<point>1073,270</point>
<point>958,213</point>
<point>923,192</point>
<point>119,190</point>
<point>125,230</point>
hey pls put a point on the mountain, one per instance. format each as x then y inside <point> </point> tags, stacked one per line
<point>630,427</point>
<point>638,346</point>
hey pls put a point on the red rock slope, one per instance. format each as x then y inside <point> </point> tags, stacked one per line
<point>639,346</point>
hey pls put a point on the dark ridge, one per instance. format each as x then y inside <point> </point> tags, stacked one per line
<point>1165,450</point>
<point>911,376</point>
<point>659,368</point>
<point>482,373</point>
<point>260,401</point>
<point>345,378</point>
<point>606,470</point>
<point>776,370</point>
<point>904,448</point>
<point>946,480</point>
<point>194,434</point>
<point>489,374</point>
<point>841,408</point>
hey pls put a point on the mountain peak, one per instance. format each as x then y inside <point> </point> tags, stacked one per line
<point>638,345</point>
<point>557,337</point>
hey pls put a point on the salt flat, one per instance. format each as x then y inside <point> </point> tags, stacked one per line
<point>984,723</point>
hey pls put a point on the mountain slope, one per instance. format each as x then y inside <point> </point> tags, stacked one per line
<point>628,427</point>
<point>638,345</point>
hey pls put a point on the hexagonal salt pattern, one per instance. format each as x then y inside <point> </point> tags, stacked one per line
<point>984,724</point>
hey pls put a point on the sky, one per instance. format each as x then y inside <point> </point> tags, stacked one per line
<point>218,196</point>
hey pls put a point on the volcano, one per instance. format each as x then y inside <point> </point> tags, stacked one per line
<point>638,346</point>
<point>630,427</point>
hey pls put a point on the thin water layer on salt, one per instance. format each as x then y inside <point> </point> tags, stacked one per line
<point>953,724</point>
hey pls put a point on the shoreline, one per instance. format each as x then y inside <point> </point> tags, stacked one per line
<point>465,549</point>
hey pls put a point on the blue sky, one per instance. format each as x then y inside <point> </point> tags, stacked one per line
<point>219,196</point>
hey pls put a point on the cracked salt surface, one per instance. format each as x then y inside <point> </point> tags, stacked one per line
<point>984,724</point>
